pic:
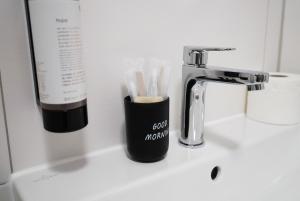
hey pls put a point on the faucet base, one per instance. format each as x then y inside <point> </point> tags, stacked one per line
<point>192,146</point>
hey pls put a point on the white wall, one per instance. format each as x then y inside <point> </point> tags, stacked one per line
<point>4,152</point>
<point>290,54</point>
<point>113,30</point>
<point>273,35</point>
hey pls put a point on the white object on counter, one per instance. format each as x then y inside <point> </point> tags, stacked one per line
<point>279,103</point>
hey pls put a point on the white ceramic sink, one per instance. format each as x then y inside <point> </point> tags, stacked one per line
<point>258,162</point>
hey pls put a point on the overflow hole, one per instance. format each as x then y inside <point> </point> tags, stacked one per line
<point>278,75</point>
<point>215,173</point>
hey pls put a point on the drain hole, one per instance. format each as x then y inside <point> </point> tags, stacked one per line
<point>215,173</point>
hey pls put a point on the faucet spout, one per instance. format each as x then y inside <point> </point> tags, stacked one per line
<point>192,133</point>
<point>195,78</point>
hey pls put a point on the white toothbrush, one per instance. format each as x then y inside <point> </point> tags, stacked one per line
<point>153,82</point>
<point>140,83</point>
<point>164,79</point>
<point>130,80</point>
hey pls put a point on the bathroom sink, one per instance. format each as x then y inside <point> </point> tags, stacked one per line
<point>240,160</point>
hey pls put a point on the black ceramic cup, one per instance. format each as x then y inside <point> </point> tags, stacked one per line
<point>147,130</point>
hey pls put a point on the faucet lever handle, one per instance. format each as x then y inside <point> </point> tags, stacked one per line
<point>195,55</point>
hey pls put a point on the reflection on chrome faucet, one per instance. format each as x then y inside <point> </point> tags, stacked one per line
<point>195,76</point>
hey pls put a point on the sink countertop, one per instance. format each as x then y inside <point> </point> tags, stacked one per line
<point>103,173</point>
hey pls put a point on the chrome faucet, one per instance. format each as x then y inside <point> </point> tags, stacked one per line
<point>195,76</point>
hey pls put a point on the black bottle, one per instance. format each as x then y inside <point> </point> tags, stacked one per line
<point>55,40</point>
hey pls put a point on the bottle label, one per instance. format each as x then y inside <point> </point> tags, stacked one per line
<point>57,46</point>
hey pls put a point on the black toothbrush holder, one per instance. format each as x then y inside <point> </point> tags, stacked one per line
<point>147,130</point>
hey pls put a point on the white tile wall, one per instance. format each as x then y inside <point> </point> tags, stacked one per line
<point>289,59</point>
<point>4,152</point>
<point>113,30</point>
<point>273,35</point>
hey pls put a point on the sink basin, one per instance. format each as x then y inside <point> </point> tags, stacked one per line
<point>241,160</point>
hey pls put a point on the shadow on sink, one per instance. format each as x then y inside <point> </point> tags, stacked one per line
<point>66,146</point>
<point>222,140</point>
<point>230,133</point>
